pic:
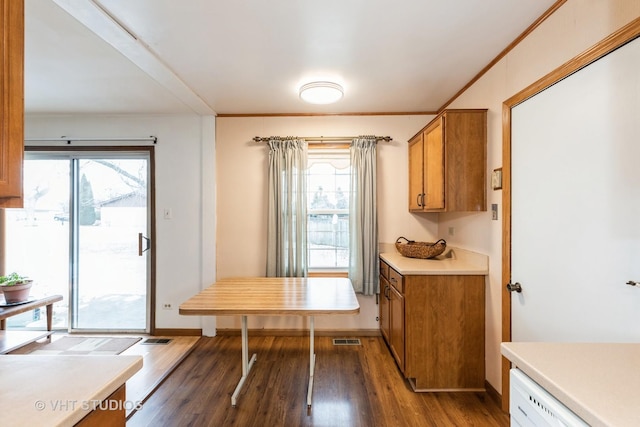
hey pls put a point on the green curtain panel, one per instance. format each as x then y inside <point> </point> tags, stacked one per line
<point>363,217</point>
<point>287,216</point>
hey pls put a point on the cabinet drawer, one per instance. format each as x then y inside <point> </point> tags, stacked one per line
<point>396,280</point>
<point>384,269</point>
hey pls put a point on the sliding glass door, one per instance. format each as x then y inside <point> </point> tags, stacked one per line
<point>84,234</point>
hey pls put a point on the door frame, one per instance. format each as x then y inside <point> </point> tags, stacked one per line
<point>614,41</point>
<point>150,150</point>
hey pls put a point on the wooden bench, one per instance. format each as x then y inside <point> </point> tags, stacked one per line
<point>11,340</point>
<point>14,310</point>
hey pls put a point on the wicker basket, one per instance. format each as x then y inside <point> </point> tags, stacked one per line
<point>423,250</point>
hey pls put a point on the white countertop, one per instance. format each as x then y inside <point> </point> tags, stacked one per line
<point>40,390</point>
<point>600,382</point>
<point>454,261</point>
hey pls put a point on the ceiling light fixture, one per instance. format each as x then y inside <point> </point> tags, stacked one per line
<point>321,92</point>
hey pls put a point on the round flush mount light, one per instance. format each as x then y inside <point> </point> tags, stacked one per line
<point>321,92</point>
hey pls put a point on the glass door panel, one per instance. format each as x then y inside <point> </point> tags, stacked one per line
<point>111,285</point>
<point>37,239</point>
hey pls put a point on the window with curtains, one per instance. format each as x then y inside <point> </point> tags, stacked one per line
<point>322,211</point>
<point>328,182</point>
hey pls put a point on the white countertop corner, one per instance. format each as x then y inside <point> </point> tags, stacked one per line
<point>600,382</point>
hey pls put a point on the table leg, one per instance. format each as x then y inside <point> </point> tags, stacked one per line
<point>49,316</point>
<point>312,361</point>
<point>246,364</point>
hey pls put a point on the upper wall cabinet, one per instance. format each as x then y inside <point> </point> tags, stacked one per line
<point>447,163</point>
<point>11,102</point>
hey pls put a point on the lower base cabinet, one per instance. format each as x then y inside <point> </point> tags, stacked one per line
<point>110,412</point>
<point>385,313</point>
<point>436,327</point>
<point>397,339</point>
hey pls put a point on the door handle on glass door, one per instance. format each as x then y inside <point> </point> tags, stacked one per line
<point>148,245</point>
<point>514,287</point>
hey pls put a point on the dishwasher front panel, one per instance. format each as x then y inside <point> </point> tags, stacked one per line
<point>531,405</point>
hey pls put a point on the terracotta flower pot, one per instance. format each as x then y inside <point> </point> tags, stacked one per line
<point>16,293</point>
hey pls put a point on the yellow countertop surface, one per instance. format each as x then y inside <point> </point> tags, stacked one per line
<point>600,382</point>
<point>454,261</point>
<point>38,390</point>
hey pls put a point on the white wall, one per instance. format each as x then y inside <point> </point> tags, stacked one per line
<point>242,203</point>
<point>572,29</point>
<point>185,170</point>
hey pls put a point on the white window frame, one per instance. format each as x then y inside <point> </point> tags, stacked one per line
<point>342,157</point>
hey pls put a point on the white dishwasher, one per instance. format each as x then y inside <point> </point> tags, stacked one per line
<point>531,405</point>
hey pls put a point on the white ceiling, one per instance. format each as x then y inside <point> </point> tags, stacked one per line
<point>250,56</point>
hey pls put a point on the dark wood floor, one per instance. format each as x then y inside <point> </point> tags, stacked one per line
<point>354,386</point>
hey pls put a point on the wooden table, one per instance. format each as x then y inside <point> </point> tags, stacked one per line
<point>13,310</point>
<point>274,296</point>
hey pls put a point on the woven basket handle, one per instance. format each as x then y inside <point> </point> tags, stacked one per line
<point>408,241</point>
<point>441,240</point>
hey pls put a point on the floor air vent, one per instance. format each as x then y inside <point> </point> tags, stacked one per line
<point>157,341</point>
<point>346,341</point>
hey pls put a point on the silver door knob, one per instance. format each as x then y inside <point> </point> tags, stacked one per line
<point>514,287</point>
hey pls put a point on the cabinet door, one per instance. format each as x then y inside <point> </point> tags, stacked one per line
<point>416,179</point>
<point>445,328</point>
<point>11,102</point>
<point>397,326</point>
<point>385,319</point>
<point>434,166</point>
<point>106,413</point>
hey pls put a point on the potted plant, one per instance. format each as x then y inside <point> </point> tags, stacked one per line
<point>15,288</point>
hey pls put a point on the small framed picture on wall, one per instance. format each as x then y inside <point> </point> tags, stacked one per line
<point>496,179</point>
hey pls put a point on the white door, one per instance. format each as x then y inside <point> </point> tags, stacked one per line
<point>576,206</point>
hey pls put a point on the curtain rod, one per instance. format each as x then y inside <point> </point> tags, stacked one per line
<point>322,139</point>
<point>68,140</point>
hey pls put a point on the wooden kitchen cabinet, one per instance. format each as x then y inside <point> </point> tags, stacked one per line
<point>447,163</point>
<point>416,169</point>
<point>11,102</point>
<point>437,327</point>
<point>109,412</point>
<point>385,315</point>
<point>392,312</point>
<point>397,336</point>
